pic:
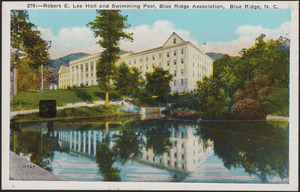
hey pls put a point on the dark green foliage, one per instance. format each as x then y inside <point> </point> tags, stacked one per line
<point>109,25</point>
<point>259,76</point>
<point>127,80</point>
<point>158,83</point>
<point>128,145</point>
<point>260,147</point>
<point>105,158</point>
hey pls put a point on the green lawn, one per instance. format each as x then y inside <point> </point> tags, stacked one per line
<point>25,101</point>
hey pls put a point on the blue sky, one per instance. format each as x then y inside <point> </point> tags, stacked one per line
<point>219,29</point>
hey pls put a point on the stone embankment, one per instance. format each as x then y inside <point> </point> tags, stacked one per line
<point>272,117</point>
<point>23,170</point>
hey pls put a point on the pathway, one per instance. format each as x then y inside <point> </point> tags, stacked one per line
<point>127,105</point>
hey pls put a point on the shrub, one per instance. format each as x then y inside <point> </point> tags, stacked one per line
<point>248,109</point>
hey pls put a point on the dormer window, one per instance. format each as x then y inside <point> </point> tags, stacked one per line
<point>174,41</point>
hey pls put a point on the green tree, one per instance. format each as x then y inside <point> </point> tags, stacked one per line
<point>26,39</point>
<point>249,74</point>
<point>158,83</point>
<point>109,25</point>
<point>127,80</point>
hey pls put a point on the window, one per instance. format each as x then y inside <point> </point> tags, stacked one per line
<point>181,81</point>
<point>169,162</point>
<point>153,65</point>
<point>140,68</point>
<point>168,63</point>
<point>181,51</point>
<point>174,73</point>
<point>174,61</point>
<point>175,155</point>
<point>160,64</point>
<point>182,166</point>
<point>168,54</point>
<point>129,62</point>
<point>141,59</point>
<point>159,55</point>
<point>153,159</point>
<point>174,52</point>
<point>175,165</point>
<point>181,71</point>
<point>146,58</point>
<point>153,57</point>
<point>174,82</point>
<point>175,144</point>
<point>147,157</point>
<point>160,160</point>
<point>146,66</point>
<point>174,41</point>
<point>181,60</point>
<point>135,61</point>
<point>182,157</point>
<point>182,145</point>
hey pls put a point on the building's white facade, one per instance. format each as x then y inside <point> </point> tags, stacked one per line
<point>184,60</point>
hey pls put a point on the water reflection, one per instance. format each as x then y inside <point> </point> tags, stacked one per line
<point>177,148</point>
<point>260,147</point>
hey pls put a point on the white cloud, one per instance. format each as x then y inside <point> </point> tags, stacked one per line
<point>81,39</point>
<point>147,37</point>
<point>246,38</point>
<point>77,39</point>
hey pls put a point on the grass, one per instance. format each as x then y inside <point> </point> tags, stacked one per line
<point>25,101</point>
<point>71,113</point>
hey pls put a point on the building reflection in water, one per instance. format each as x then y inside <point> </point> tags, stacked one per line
<point>186,153</point>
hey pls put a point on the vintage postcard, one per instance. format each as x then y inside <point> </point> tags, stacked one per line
<point>150,95</point>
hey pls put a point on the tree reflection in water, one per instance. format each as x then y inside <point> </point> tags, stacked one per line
<point>36,143</point>
<point>105,157</point>
<point>259,147</point>
<point>158,137</point>
<point>128,145</point>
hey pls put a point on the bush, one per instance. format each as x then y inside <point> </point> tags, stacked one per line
<point>249,109</point>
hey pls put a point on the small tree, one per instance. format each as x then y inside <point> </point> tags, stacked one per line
<point>127,80</point>
<point>158,83</point>
<point>109,25</point>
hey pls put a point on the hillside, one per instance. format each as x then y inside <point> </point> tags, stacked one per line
<point>56,63</point>
<point>215,56</point>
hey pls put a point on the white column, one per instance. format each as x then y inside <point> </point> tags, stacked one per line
<point>84,74</point>
<point>79,143</point>
<point>94,73</point>
<point>70,139</point>
<point>89,73</point>
<point>89,143</point>
<point>100,136</point>
<point>94,134</point>
<point>75,140</point>
<point>84,141</point>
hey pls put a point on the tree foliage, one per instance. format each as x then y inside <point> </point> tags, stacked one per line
<point>260,75</point>
<point>26,42</point>
<point>109,25</point>
<point>158,83</point>
<point>127,80</point>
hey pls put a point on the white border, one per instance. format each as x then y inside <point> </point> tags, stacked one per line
<point>70,185</point>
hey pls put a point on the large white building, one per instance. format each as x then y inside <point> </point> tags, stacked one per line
<point>184,60</point>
